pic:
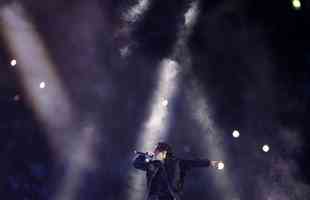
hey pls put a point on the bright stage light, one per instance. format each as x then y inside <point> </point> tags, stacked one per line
<point>165,102</point>
<point>296,4</point>
<point>42,85</point>
<point>266,148</point>
<point>220,166</point>
<point>236,134</point>
<point>13,63</point>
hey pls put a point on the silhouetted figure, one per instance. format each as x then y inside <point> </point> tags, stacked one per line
<point>165,173</point>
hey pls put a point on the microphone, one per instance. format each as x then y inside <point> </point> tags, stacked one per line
<point>148,156</point>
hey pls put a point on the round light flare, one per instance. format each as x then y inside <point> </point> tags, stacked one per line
<point>220,165</point>
<point>266,148</point>
<point>42,85</point>
<point>165,102</point>
<point>236,134</point>
<point>296,4</point>
<point>13,62</point>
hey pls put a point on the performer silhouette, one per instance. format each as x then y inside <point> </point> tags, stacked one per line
<point>165,173</point>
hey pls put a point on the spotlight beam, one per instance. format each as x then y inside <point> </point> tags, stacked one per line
<point>155,127</point>
<point>211,138</point>
<point>35,66</point>
<point>180,50</point>
<point>198,106</point>
<point>137,10</point>
<point>51,104</point>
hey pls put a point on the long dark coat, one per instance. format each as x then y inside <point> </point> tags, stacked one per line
<point>171,173</point>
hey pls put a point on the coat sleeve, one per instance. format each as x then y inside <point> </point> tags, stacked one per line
<point>139,162</point>
<point>188,164</point>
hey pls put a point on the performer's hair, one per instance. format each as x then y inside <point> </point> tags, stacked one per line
<point>162,146</point>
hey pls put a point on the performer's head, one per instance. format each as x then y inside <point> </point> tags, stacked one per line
<point>162,151</point>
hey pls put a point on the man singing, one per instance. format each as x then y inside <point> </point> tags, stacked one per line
<point>165,173</point>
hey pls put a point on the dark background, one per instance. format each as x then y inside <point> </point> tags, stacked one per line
<point>250,57</point>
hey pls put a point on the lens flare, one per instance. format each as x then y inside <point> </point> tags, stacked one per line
<point>13,62</point>
<point>220,166</point>
<point>266,148</point>
<point>42,85</point>
<point>165,102</point>
<point>236,134</point>
<point>296,4</point>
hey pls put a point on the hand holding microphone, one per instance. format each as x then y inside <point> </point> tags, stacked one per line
<point>148,156</point>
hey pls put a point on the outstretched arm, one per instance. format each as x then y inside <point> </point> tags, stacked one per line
<point>139,162</point>
<point>188,164</point>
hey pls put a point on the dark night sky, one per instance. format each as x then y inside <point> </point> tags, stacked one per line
<point>250,58</point>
